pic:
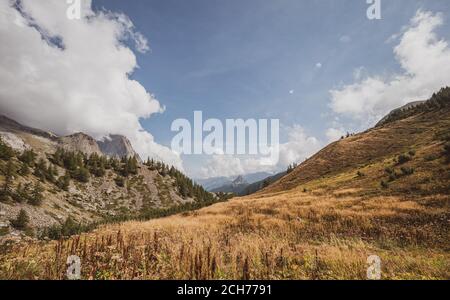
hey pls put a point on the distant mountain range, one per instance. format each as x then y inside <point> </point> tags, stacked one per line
<point>223,183</point>
<point>242,185</point>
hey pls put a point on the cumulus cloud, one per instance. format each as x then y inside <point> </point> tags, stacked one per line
<point>345,39</point>
<point>334,134</point>
<point>318,65</point>
<point>425,63</point>
<point>298,147</point>
<point>68,75</point>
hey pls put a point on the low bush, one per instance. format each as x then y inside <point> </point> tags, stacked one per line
<point>22,220</point>
<point>402,159</point>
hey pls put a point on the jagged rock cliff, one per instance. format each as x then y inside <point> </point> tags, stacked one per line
<point>117,146</point>
<point>80,142</point>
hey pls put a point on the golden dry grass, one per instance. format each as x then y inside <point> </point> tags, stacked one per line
<point>290,236</point>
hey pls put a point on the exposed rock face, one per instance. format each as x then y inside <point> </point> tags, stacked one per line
<point>19,137</point>
<point>80,142</point>
<point>13,141</point>
<point>117,146</point>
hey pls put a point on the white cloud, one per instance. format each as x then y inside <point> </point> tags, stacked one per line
<point>334,134</point>
<point>319,65</point>
<point>291,92</point>
<point>298,147</point>
<point>86,85</point>
<point>345,39</point>
<point>425,61</point>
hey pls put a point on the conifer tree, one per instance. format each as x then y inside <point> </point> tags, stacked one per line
<point>36,195</point>
<point>22,220</point>
<point>28,157</point>
<point>24,169</point>
<point>6,152</point>
<point>9,171</point>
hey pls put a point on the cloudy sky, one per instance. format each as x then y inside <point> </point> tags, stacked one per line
<point>132,67</point>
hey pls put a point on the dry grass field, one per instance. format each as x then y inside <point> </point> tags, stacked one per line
<point>294,236</point>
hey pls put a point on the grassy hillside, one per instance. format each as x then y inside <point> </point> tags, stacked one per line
<point>384,192</point>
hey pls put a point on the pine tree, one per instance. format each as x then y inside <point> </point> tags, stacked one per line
<point>82,175</point>
<point>36,196</point>
<point>64,182</point>
<point>50,173</point>
<point>28,157</point>
<point>24,170</point>
<point>22,220</point>
<point>9,171</point>
<point>40,170</point>
<point>22,193</point>
<point>6,152</point>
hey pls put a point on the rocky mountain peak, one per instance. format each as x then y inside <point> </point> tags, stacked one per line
<point>239,180</point>
<point>116,145</point>
<point>80,142</point>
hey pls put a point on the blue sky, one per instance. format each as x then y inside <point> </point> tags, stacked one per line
<point>241,58</point>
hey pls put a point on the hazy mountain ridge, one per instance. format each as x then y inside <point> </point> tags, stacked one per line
<point>218,183</point>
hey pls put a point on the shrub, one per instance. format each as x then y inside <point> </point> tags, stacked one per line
<point>28,157</point>
<point>4,231</point>
<point>412,152</point>
<point>389,170</point>
<point>407,171</point>
<point>64,182</point>
<point>24,170</point>
<point>384,184</point>
<point>69,228</point>
<point>82,175</point>
<point>360,174</point>
<point>22,220</point>
<point>447,149</point>
<point>392,177</point>
<point>431,157</point>
<point>36,195</point>
<point>9,171</point>
<point>22,193</point>
<point>6,152</point>
<point>402,159</point>
<point>120,181</point>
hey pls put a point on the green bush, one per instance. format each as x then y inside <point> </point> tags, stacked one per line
<point>407,171</point>
<point>392,177</point>
<point>6,152</point>
<point>447,149</point>
<point>36,195</point>
<point>4,231</point>
<point>402,159</point>
<point>120,181</point>
<point>22,220</point>
<point>63,182</point>
<point>28,157</point>
<point>82,175</point>
<point>22,193</point>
